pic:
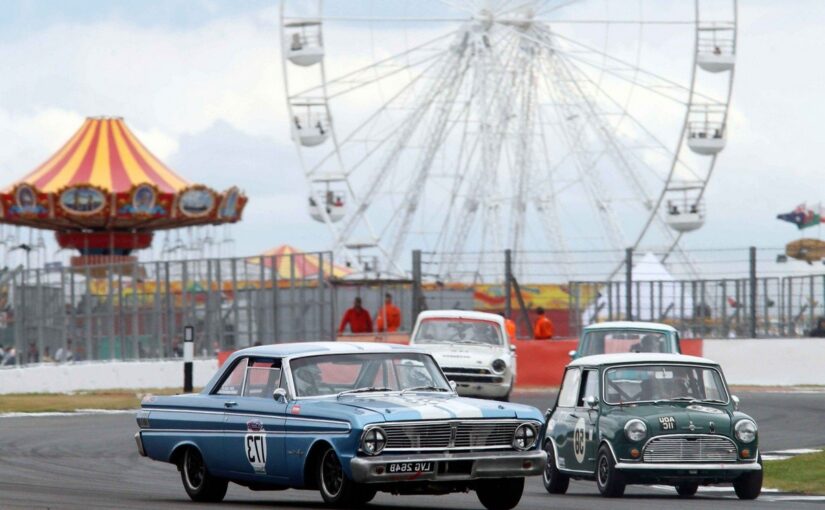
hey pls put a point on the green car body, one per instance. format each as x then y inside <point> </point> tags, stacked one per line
<point>686,441</point>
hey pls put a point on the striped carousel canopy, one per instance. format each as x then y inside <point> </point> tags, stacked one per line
<point>104,153</point>
<point>104,193</point>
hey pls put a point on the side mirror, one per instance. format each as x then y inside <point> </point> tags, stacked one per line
<point>512,348</point>
<point>591,401</point>
<point>279,395</point>
<point>735,401</point>
<point>453,385</point>
<point>572,354</point>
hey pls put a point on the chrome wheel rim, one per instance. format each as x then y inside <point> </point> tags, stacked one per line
<point>332,475</point>
<point>603,471</point>
<point>194,469</point>
<point>548,469</point>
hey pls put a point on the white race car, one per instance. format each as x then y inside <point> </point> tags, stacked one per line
<point>473,349</point>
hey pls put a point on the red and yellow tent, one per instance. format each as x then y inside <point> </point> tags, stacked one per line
<point>306,265</point>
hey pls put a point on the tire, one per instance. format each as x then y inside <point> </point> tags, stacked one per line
<point>687,489</point>
<point>197,482</point>
<point>609,480</point>
<point>554,480</point>
<point>335,488</point>
<point>500,494</point>
<point>749,485</point>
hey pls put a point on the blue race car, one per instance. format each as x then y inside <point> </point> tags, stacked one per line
<point>346,419</point>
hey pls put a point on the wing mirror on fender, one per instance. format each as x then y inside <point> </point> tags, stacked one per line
<point>591,401</point>
<point>453,385</point>
<point>735,401</point>
<point>572,354</point>
<point>279,395</point>
<point>512,348</point>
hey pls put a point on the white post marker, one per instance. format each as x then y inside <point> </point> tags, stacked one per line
<point>188,355</point>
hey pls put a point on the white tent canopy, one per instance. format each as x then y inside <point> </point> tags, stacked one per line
<point>657,296</point>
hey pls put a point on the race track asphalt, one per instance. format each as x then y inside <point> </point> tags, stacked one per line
<point>90,462</point>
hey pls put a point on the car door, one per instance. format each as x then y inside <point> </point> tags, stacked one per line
<point>564,418</point>
<point>254,428</point>
<point>585,432</point>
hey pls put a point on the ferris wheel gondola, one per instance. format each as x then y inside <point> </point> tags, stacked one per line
<point>480,125</point>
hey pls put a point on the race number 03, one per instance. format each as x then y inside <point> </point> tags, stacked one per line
<point>579,440</point>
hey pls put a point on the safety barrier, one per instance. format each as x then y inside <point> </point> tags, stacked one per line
<point>65,378</point>
<point>761,362</point>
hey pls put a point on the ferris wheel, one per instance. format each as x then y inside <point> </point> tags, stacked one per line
<point>476,126</point>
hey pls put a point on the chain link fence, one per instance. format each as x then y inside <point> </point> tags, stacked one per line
<point>138,311</point>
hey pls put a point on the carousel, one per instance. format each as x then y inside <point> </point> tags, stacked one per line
<point>104,195</point>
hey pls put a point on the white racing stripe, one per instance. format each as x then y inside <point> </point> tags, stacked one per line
<point>421,405</point>
<point>461,409</point>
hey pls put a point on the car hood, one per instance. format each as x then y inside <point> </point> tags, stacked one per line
<point>698,415</point>
<point>464,354</point>
<point>432,406</point>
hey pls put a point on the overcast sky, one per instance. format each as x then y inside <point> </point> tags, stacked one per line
<point>200,83</point>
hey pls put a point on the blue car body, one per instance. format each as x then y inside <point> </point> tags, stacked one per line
<point>272,443</point>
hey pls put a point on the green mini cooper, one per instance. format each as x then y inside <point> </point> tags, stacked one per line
<point>649,418</point>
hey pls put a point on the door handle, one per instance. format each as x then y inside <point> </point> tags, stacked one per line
<point>573,415</point>
<point>230,404</point>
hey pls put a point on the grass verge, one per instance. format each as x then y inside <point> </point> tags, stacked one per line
<point>104,399</point>
<point>803,474</point>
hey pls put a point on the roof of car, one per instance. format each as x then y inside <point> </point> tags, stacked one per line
<point>314,348</point>
<point>629,325</point>
<point>461,314</point>
<point>638,357</point>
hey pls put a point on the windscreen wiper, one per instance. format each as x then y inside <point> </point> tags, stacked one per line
<point>424,388</point>
<point>365,389</point>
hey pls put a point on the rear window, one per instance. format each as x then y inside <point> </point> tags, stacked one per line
<point>622,341</point>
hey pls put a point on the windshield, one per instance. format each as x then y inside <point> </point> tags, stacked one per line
<point>466,331</point>
<point>335,373</point>
<point>650,383</point>
<point>622,340</point>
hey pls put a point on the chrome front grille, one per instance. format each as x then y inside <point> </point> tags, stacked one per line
<point>468,371</point>
<point>472,375</point>
<point>694,448</point>
<point>450,435</point>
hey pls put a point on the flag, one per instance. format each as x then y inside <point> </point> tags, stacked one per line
<point>802,216</point>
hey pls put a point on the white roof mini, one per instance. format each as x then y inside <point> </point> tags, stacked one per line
<point>630,325</point>
<point>640,357</point>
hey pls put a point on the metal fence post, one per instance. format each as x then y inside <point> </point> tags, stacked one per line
<point>416,285</point>
<point>628,283</point>
<point>508,283</point>
<point>753,292</point>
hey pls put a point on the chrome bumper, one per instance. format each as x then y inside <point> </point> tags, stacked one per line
<point>139,441</point>
<point>724,466</point>
<point>451,466</point>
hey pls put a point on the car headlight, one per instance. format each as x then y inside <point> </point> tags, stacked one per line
<point>635,430</point>
<point>499,365</point>
<point>746,431</point>
<point>524,437</point>
<point>374,441</point>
